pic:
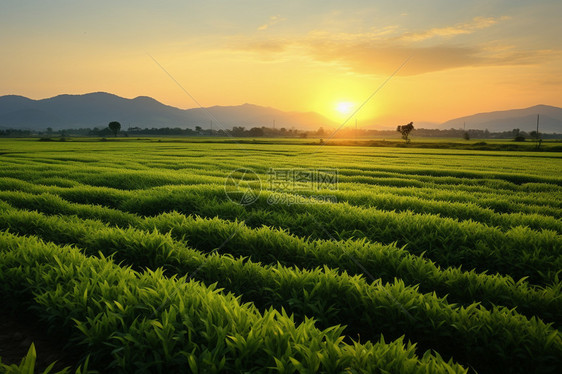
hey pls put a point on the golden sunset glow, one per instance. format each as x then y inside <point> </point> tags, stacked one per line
<point>345,107</point>
<point>305,56</point>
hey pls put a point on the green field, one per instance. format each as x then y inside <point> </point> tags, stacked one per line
<point>169,256</point>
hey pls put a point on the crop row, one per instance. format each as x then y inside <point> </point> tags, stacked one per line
<point>356,194</point>
<point>519,251</point>
<point>269,245</point>
<point>386,201</point>
<point>461,211</point>
<point>480,337</point>
<point>144,322</point>
<point>130,178</point>
<point>478,166</point>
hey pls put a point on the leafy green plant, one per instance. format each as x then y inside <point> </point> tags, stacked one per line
<point>147,322</point>
<point>27,366</point>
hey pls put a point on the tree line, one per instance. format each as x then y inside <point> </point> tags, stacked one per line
<point>404,131</point>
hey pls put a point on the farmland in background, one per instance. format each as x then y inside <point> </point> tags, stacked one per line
<point>388,259</point>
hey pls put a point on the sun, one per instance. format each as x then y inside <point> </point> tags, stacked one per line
<point>345,107</point>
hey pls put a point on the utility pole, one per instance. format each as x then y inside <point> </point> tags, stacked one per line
<point>273,124</point>
<point>356,132</point>
<point>537,124</point>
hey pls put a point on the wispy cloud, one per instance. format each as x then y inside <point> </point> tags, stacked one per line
<point>476,24</point>
<point>382,57</point>
<point>380,51</point>
<point>366,58</point>
<point>273,20</point>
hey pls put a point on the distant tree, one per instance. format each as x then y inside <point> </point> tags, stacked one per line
<point>466,135</point>
<point>198,128</point>
<point>256,131</point>
<point>238,131</point>
<point>405,130</point>
<point>104,132</point>
<point>114,126</point>
<point>518,135</point>
<point>320,131</point>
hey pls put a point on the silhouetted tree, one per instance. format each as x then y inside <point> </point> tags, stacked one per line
<point>238,131</point>
<point>114,126</point>
<point>405,130</point>
<point>518,135</point>
<point>466,135</point>
<point>256,131</point>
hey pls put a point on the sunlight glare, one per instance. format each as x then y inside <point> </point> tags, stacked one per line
<point>344,107</point>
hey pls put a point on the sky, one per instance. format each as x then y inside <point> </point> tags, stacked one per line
<point>391,61</point>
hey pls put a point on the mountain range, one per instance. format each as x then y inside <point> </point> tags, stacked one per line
<point>550,120</point>
<point>99,108</point>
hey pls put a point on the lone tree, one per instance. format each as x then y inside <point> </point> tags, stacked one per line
<point>518,135</point>
<point>405,130</point>
<point>114,127</point>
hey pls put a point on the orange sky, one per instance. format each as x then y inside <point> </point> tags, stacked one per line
<point>291,55</point>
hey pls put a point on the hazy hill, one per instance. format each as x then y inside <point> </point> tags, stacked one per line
<point>98,109</point>
<point>523,119</point>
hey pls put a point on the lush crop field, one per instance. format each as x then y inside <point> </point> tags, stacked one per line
<point>166,256</point>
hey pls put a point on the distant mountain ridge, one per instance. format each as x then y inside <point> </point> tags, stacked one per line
<point>99,108</point>
<point>505,120</point>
